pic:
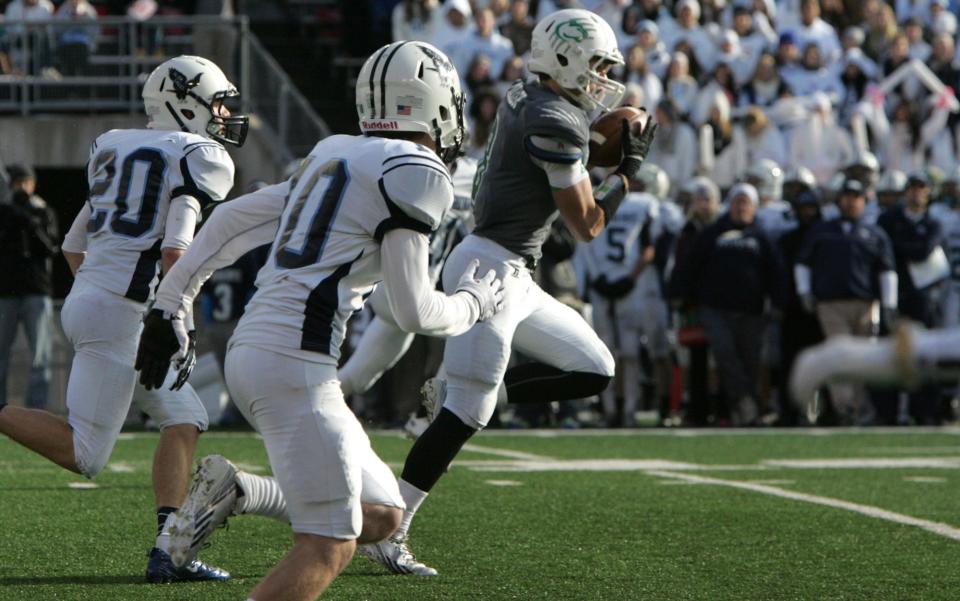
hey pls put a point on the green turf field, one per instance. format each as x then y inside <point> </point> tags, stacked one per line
<point>819,515</point>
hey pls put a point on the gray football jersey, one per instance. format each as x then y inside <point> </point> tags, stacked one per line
<point>513,204</point>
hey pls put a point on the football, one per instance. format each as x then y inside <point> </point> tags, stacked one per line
<point>605,135</point>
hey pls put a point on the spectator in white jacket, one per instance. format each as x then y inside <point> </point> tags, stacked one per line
<point>658,57</point>
<point>454,24</point>
<point>485,40</point>
<point>688,30</point>
<point>416,20</point>
<point>821,145</point>
<point>813,29</point>
<point>675,147</point>
<point>763,140</point>
<point>814,76</point>
<point>637,71</point>
<point>732,54</point>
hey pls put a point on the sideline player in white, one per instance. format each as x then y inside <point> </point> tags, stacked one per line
<point>147,187</point>
<point>384,342</point>
<point>533,170</point>
<point>358,210</point>
<point>910,356</point>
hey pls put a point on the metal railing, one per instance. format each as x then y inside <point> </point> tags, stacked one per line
<point>91,66</point>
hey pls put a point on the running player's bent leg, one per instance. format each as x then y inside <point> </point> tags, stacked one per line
<point>572,363</point>
<point>316,449</point>
<point>379,349</point>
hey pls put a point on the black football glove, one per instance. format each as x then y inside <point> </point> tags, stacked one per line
<point>635,147</point>
<point>185,365</point>
<point>162,338</point>
<point>613,290</point>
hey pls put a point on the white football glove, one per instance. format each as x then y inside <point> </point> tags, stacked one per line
<point>487,291</point>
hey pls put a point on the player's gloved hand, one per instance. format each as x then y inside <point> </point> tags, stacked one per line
<point>487,291</point>
<point>164,338</point>
<point>808,302</point>
<point>185,365</point>
<point>615,289</point>
<point>635,147</point>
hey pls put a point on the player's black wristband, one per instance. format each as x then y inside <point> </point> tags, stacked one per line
<point>609,194</point>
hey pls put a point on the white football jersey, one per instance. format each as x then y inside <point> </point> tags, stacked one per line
<point>133,174</point>
<point>616,250</point>
<point>325,258</point>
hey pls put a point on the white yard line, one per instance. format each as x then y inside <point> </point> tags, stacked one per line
<point>505,453</point>
<point>938,528</point>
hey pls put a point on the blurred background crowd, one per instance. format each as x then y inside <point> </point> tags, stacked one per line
<point>804,183</point>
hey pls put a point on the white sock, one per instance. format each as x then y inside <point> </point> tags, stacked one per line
<point>413,497</point>
<point>163,539</point>
<point>261,496</point>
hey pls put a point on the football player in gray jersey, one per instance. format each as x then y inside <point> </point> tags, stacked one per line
<point>533,170</point>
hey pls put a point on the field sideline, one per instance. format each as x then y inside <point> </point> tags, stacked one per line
<point>619,515</point>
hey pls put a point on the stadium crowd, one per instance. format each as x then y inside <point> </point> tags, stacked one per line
<point>805,185</point>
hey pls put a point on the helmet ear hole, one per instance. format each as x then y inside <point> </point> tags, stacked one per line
<point>420,71</point>
<point>562,60</point>
<point>188,113</point>
<point>444,113</point>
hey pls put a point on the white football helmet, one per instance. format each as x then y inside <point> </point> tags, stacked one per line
<point>573,47</point>
<point>412,86</point>
<point>653,180</point>
<point>180,94</point>
<point>893,181</point>
<point>767,177</point>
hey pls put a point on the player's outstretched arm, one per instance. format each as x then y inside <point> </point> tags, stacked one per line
<point>416,306</point>
<point>232,230</point>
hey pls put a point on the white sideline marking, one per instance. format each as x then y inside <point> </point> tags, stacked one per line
<point>867,463</point>
<point>920,450</point>
<point>937,528</point>
<point>503,483</point>
<point>925,479</point>
<point>121,468</point>
<point>83,485</point>
<point>505,453</point>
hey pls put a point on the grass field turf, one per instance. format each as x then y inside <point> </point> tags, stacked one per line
<point>608,529</point>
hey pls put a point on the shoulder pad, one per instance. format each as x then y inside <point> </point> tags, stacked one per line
<point>557,119</point>
<point>417,189</point>
<point>207,172</point>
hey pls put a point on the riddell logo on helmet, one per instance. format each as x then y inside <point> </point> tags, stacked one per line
<point>380,125</point>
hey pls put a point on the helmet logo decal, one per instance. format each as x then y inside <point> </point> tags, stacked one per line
<point>181,85</point>
<point>440,63</point>
<point>574,30</point>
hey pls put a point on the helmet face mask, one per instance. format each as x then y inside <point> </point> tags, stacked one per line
<point>186,93</point>
<point>413,87</point>
<point>575,47</point>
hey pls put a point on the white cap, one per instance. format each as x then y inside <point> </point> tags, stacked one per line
<point>743,189</point>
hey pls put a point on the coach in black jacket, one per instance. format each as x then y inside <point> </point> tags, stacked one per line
<point>915,235</point>
<point>736,271</point>
<point>844,267</point>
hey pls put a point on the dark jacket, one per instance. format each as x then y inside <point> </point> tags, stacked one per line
<point>736,268</point>
<point>844,264</point>
<point>28,241</point>
<point>913,241</point>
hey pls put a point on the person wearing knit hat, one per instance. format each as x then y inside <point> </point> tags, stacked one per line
<point>736,273</point>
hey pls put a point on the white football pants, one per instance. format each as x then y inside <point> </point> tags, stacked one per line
<point>533,322</point>
<point>319,453</point>
<point>104,329</point>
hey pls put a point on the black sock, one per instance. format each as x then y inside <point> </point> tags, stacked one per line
<point>540,383</point>
<point>435,449</point>
<point>162,513</point>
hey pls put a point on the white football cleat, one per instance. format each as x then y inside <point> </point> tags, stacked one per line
<point>394,554</point>
<point>432,394</point>
<point>211,499</point>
